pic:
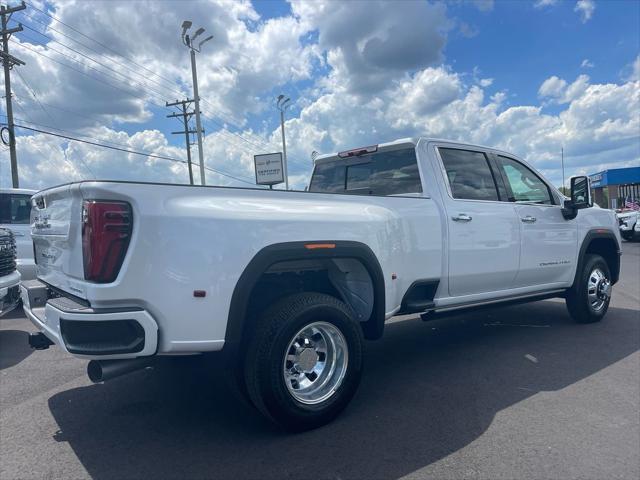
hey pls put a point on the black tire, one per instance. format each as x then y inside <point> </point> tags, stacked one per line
<point>269,345</point>
<point>577,297</point>
<point>627,235</point>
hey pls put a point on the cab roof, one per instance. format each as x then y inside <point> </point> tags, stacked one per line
<point>23,191</point>
<point>406,142</point>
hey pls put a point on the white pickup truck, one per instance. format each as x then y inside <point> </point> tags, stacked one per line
<point>288,283</point>
<point>629,225</point>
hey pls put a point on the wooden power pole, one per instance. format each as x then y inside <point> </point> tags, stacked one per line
<point>8,62</point>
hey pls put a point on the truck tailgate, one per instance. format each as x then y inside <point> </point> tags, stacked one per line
<point>57,240</point>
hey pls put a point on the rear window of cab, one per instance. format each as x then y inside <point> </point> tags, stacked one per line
<point>384,173</point>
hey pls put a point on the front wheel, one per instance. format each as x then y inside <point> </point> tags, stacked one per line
<point>304,361</point>
<point>588,300</point>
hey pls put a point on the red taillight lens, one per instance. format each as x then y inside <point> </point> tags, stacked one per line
<point>106,231</point>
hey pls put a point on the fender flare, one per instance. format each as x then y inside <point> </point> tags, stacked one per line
<point>279,252</point>
<point>592,235</point>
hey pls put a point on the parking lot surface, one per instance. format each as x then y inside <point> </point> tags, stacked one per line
<point>518,392</point>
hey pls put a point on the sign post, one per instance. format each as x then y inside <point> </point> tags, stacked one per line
<point>269,169</point>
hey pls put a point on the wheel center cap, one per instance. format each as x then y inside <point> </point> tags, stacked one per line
<point>604,289</point>
<point>307,359</point>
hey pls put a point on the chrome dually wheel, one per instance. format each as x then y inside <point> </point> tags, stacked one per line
<point>304,360</point>
<point>598,289</point>
<point>315,362</point>
<point>589,297</point>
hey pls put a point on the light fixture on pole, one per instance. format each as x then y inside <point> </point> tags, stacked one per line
<point>188,41</point>
<point>282,103</point>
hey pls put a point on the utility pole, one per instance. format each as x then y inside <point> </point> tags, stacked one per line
<point>188,41</point>
<point>282,103</point>
<point>562,162</point>
<point>186,115</point>
<point>8,62</point>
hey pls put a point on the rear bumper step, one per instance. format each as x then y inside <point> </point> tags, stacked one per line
<point>104,333</point>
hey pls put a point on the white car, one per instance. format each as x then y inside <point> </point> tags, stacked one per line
<point>629,225</point>
<point>9,276</point>
<point>15,207</point>
<point>287,283</point>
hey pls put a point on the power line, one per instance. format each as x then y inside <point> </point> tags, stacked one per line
<point>96,41</point>
<point>168,84</point>
<point>100,54</point>
<point>32,91</point>
<point>133,152</point>
<point>257,144</point>
<point>133,94</point>
<point>91,59</point>
<point>219,124</point>
<point>47,157</point>
<point>223,129</point>
<point>89,67</point>
<point>96,139</point>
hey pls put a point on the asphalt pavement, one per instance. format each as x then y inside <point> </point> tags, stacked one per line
<point>520,392</point>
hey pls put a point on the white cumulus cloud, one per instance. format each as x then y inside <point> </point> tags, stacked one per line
<point>585,9</point>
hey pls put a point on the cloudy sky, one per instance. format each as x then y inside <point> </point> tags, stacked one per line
<point>529,77</point>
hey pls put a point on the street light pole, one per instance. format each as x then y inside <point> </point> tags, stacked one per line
<point>196,98</point>
<point>188,41</point>
<point>282,104</point>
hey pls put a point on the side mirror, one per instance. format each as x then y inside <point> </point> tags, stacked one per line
<point>580,193</point>
<point>580,197</point>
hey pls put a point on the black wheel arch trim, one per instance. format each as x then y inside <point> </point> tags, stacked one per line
<point>592,235</point>
<point>287,251</point>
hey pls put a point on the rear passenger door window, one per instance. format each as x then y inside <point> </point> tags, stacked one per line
<point>396,173</point>
<point>469,174</point>
<point>524,184</point>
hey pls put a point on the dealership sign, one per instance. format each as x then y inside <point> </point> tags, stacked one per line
<point>269,169</point>
<point>596,179</point>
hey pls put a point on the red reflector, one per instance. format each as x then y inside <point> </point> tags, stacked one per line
<point>199,293</point>
<point>106,231</point>
<point>358,151</point>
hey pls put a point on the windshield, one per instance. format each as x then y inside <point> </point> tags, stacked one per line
<point>14,208</point>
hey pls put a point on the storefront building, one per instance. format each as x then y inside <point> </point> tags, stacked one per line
<point>614,187</point>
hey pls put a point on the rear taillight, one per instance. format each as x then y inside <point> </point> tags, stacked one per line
<point>106,231</point>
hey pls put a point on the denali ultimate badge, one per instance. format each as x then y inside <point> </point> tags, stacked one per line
<point>41,222</point>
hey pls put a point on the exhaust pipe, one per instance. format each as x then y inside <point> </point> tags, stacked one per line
<point>103,370</point>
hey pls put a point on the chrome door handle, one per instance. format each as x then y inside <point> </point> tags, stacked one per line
<point>529,219</point>
<point>462,217</point>
<point>18,234</point>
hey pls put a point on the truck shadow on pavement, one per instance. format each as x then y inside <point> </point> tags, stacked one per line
<point>429,389</point>
<point>14,345</point>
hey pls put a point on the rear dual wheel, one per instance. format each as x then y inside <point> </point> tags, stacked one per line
<point>304,361</point>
